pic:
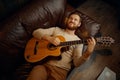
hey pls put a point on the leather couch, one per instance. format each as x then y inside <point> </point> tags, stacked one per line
<point>17,30</point>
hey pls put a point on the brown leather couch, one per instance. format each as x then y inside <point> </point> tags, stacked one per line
<point>17,30</point>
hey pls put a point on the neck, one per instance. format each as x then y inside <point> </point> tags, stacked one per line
<point>71,32</point>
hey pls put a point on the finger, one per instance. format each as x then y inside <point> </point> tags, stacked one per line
<point>91,41</point>
<point>57,41</point>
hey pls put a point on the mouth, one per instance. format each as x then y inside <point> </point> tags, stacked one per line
<point>71,23</point>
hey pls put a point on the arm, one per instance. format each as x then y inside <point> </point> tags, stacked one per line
<point>80,59</point>
<point>46,34</point>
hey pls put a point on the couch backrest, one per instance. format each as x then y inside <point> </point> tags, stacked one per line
<point>16,31</point>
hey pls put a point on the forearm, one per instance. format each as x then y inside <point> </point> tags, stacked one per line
<point>46,37</point>
<point>43,33</point>
<point>84,58</point>
<point>88,52</point>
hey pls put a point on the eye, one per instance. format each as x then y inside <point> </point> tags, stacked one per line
<point>70,18</point>
<point>76,19</point>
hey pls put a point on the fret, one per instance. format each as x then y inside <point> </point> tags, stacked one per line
<point>71,43</point>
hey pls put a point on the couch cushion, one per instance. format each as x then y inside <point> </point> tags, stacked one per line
<point>43,13</point>
<point>88,28</point>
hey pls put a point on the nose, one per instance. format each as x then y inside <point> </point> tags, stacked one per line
<point>72,20</point>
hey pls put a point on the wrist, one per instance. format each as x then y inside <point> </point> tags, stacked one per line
<point>46,37</point>
<point>89,51</point>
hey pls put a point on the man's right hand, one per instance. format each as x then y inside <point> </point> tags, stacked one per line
<point>51,39</point>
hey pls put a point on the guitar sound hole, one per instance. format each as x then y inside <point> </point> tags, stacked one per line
<point>28,56</point>
<point>51,47</point>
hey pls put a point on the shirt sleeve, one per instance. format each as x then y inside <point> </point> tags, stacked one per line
<point>39,33</point>
<point>77,53</point>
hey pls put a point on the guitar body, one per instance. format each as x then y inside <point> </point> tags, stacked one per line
<point>37,50</point>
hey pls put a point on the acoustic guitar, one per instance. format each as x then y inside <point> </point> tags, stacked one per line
<point>36,50</point>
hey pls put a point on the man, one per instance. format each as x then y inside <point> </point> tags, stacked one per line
<point>58,69</point>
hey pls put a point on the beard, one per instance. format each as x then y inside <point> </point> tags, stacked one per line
<point>71,27</point>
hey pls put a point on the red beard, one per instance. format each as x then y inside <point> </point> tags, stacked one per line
<point>71,28</point>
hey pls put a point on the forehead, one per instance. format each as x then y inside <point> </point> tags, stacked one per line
<point>75,16</point>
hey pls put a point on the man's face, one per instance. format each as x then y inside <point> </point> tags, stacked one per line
<point>73,22</point>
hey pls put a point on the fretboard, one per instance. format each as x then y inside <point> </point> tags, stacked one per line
<point>68,43</point>
<point>100,40</point>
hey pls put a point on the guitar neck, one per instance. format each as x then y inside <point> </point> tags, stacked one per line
<point>99,40</point>
<point>68,43</point>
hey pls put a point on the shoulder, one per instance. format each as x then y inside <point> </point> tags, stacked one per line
<point>77,38</point>
<point>58,29</point>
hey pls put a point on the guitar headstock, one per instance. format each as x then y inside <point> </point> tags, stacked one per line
<point>105,41</point>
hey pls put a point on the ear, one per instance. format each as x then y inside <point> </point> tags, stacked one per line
<point>79,24</point>
<point>65,21</point>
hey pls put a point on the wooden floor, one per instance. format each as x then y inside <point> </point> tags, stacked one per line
<point>106,15</point>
